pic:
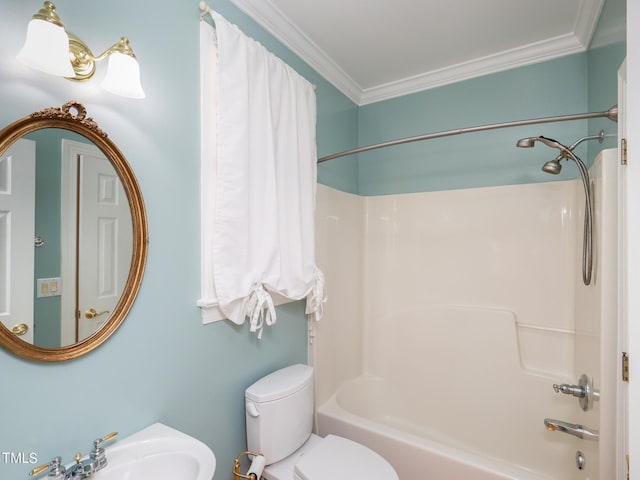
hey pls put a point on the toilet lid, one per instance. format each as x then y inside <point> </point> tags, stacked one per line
<point>337,458</point>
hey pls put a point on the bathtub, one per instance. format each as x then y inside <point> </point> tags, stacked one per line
<point>415,452</point>
<point>482,419</point>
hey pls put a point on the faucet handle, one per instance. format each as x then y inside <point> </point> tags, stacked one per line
<point>584,391</point>
<point>57,471</point>
<point>575,390</point>
<point>108,437</point>
<point>98,451</point>
<point>97,454</point>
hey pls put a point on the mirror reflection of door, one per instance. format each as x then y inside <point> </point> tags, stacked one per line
<point>97,232</point>
<point>17,212</point>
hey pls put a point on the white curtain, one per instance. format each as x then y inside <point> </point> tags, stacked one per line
<point>258,181</point>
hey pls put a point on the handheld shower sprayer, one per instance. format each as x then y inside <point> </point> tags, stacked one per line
<point>529,142</point>
<point>554,167</point>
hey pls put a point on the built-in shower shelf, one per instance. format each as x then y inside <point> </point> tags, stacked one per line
<point>547,351</point>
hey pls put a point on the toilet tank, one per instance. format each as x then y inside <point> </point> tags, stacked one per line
<point>279,412</point>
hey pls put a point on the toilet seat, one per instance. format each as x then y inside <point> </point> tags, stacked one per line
<point>337,458</point>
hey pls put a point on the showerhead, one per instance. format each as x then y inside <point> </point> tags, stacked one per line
<point>552,166</point>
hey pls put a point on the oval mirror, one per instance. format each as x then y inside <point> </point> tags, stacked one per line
<point>73,235</point>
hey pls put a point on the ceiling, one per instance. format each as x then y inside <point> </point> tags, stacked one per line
<point>372,50</point>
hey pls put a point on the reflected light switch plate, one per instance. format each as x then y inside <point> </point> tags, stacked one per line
<point>48,287</point>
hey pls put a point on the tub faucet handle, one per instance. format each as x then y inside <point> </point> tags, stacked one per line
<point>575,390</point>
<point>584,391</point>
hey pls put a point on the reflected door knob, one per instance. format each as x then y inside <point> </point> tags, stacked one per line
<point>92,313</point>
<point>20,329</point>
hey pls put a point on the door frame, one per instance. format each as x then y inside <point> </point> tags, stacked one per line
<point>630,304</point>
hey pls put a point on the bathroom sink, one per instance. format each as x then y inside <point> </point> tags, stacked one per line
<point>158,453</point>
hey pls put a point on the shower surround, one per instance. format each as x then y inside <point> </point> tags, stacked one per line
<point>450,316</point>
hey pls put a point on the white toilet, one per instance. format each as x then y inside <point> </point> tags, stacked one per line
<point>279,416</point>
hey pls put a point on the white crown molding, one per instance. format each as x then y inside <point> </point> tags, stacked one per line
<point>517,57</point>
<point>280,26</point>
<point>587,21</point>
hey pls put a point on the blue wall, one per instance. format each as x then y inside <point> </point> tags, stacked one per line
<point>573,84</point>
<point>162,364</point>
<point>603,65</point>
<point>46,310</point>
<point>557,87</point>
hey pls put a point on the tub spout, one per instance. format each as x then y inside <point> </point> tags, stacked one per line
<point>571,428</point>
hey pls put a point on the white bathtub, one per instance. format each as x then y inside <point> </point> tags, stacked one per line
<point>358,411</point>
<point>454,401</point>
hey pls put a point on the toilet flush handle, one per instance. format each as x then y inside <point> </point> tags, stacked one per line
<point>252,410</point>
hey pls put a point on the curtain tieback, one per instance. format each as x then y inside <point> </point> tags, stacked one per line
<point>316,298</point>
<point>258,307</point>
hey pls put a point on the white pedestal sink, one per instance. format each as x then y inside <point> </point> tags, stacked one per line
<point>158,453</point>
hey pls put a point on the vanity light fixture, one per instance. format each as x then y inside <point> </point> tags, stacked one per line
<point>49,48</point>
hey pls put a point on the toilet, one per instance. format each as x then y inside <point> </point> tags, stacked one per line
<point>279,418</point>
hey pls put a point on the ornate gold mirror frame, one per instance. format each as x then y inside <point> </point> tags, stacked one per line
<point>72,116</point>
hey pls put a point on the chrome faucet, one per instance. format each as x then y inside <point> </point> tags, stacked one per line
<point>571,428</point>
<point>83,468</point>
<point>97,459</point>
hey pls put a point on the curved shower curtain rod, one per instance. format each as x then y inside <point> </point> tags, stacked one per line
<point>611,114</point>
